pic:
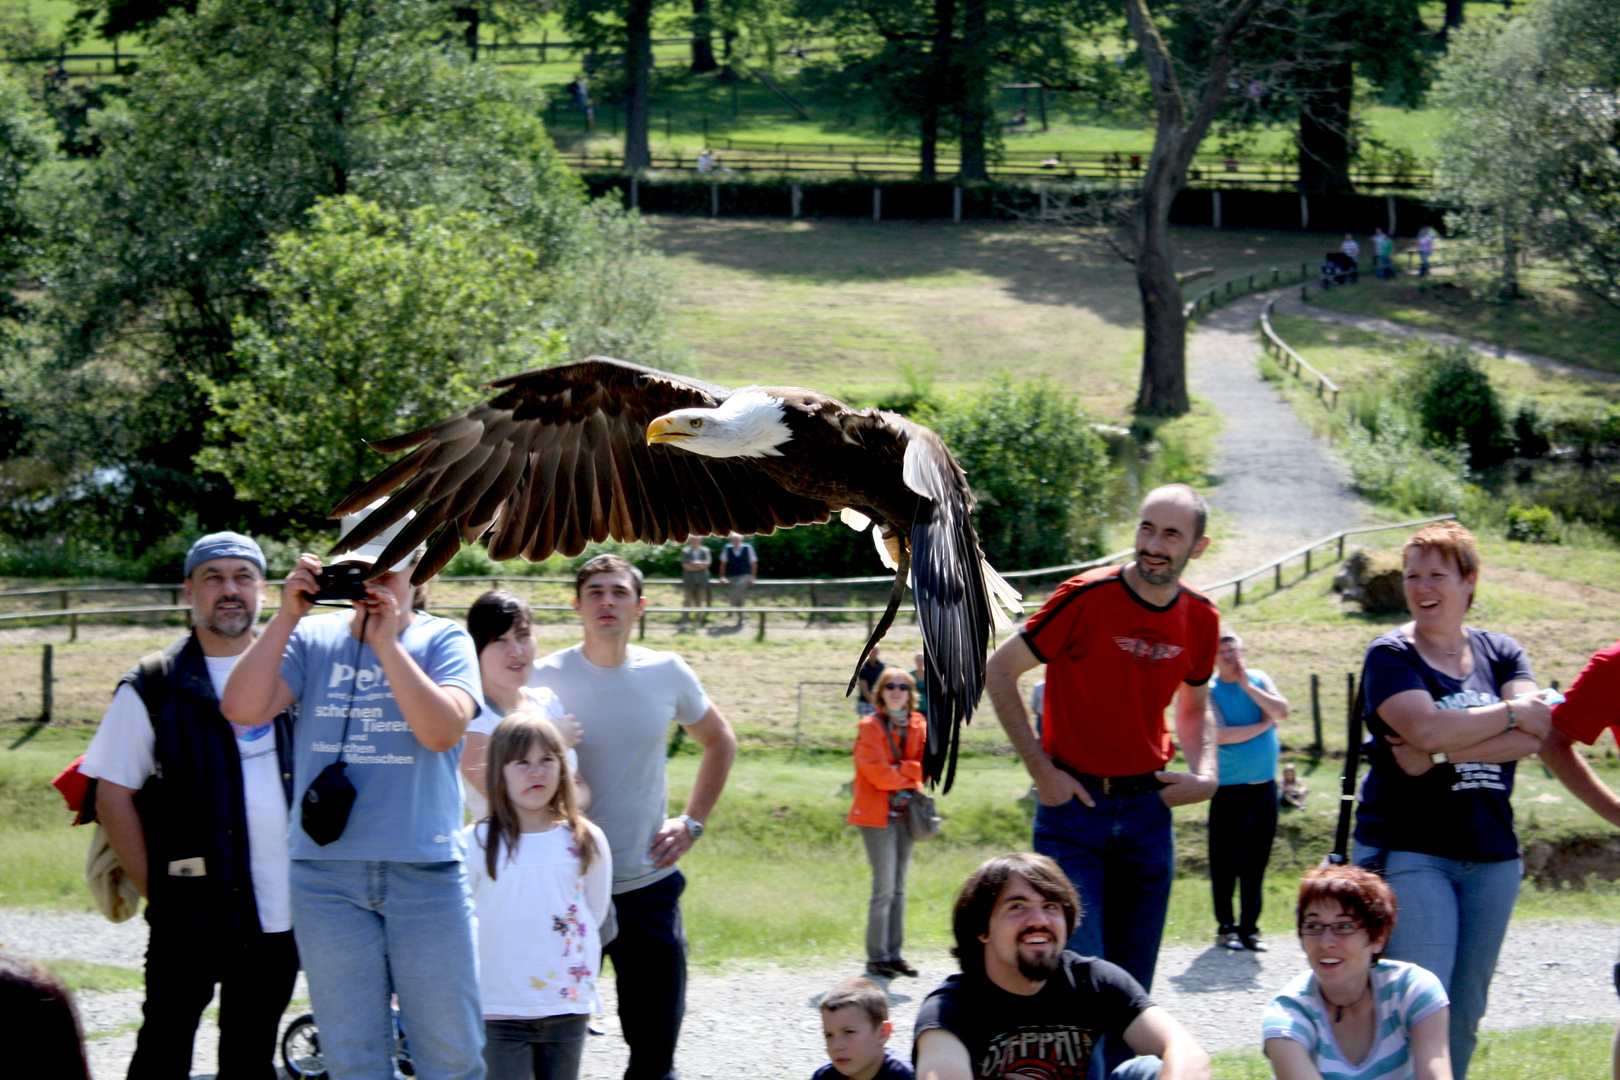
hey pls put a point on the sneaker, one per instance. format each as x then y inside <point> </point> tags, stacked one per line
<point>900,967</point>
<point>1252,942</point>
<point>1229,940</point>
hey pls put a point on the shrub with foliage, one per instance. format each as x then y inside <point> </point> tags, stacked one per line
<point>1040,471</point>
<point>1391,466</point>
<point>1534,524</point>
<point>1457,406</point>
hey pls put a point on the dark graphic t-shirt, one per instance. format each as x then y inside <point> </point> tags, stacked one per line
<point>893,1068</point>
<point>1046,1036</point>
<point>1460,811</point>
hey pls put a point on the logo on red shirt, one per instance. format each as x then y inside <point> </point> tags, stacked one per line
<point>1149,647</point>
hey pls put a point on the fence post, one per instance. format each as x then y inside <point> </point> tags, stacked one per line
<point>643,627</point>
<point>956,205</point>
<point>635,193</point>
<point>761,635</point>
<point>73,626</point>
<point>1316,713</point>
<point>1304,213</point>
<point>47,687</point>
<point>877,203</point>
<point>1279,576</point>
<point>794,196</point>
<point>1341,547</point>
<point>1237,595</point>
<point>1215,208</point>
<point>815,602</point>
<point>1307,562</point>
<point>714,200</point>
<point>868,622</point>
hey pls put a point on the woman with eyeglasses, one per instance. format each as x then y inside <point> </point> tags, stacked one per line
<point>1355,1015</point>
<point>1450,709</point>
<point>888,767</point>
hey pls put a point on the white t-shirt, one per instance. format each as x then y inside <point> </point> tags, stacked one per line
<point>539,924</point>
<point>123,750</point>
<point>488,720</point>
<point>624,713</point>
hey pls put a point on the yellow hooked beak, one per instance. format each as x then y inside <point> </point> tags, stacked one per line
<point>665,429</point>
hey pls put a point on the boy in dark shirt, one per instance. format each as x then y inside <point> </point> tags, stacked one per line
<point>855,1020</point>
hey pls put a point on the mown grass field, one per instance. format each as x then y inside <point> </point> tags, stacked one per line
<point>1554,318</point>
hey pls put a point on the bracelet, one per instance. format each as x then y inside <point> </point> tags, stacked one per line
<point>1513,721</point>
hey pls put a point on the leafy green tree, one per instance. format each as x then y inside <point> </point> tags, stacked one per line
<point>376,322</point>
<point>1533,147</point>
<point>1039,470</point>
<point>25,146</point>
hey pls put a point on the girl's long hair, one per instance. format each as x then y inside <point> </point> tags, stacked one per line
<point>513,738</point>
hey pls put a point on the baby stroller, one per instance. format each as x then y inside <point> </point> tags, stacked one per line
<point>1338,269</point>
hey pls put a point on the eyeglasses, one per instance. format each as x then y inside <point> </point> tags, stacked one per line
<point>1339,929</point>
<point>895,686</point>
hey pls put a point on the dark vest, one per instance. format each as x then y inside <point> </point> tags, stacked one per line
<point>194,807</point>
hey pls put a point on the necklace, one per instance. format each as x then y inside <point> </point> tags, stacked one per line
<point>1449,652</point>
<point>1339,1014</point>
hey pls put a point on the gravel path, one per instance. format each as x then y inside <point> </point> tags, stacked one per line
<point>1279,485</point>
<point>762,1022</point>
<point>1291,304</point>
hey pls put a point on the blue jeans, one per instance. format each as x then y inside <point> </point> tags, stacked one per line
<point>370,929</point>
<point>1121,857</point>
<point>1452,919</point>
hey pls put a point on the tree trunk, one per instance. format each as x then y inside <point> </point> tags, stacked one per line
<point>702,38</point>
<point>939,74</point>
<point>1508,283</point>
<point>638,99</point>
<point>1324,131</point>
<point>1163,389</point>
<point>975,104</point>
<point>1454,13</point>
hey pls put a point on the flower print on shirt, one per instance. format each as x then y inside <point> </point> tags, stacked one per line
<point>571,928</point>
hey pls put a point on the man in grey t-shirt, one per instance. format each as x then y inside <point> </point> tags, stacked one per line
<point>624,697</point>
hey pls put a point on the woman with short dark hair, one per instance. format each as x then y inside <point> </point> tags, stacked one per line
<point>1355,1015</point>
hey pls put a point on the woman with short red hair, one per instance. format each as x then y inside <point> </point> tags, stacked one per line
<point>1449,710</point>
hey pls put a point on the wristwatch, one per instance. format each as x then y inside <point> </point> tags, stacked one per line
<point>693,826</point>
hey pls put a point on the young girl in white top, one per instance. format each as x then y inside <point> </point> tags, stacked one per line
<point>541,875</point>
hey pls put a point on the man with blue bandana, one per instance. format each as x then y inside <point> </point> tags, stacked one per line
<point>196,810</point>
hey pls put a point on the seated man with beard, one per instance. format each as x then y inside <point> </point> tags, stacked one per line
<point>1024,1006</point>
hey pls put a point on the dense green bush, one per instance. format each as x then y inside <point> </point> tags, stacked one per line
<point>1535,524</point>
<point>1391,466</point>
<point>1457,406</point>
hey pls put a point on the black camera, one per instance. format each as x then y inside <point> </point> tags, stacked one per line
<point>341,583</point>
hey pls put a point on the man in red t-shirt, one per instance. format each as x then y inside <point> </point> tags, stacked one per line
<point>1119,644</point>
<point>1593,704</point>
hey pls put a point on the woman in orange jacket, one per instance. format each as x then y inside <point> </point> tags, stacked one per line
<point>888,767</point>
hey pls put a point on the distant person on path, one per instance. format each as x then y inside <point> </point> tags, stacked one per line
<point>695,562</point>
<point>866,682</point>
<point>1120,644</point>
<point>1024,1006</point>
<point>739,564</point>
<point>1243,813</point>
<point>540,875</point>
<point>1425,249</point>
<point>1351,248</point>
<point>705,161</point>
<point>381,908</point>
<point>1384,253</point>
<point>501,626</point>
<point>625,697</point>
<point>855,1022</point>
<point>888,768</point>
<point>1592,705</point>
<point>580,91</point>
<point>1450,709</point>
<point>206,841</point>
<point>919,679</point>
<point>1354,1014</point>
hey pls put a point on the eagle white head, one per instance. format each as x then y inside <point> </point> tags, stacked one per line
<point>750,423</point>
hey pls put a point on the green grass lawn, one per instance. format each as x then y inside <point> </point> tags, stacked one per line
<point>848,306</point>
<point>1554,319</point>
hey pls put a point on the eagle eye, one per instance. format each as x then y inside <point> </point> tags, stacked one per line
<point>697,422</point>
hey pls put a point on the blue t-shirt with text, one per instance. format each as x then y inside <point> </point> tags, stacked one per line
<point>407,805</point>
<point>1458,811</point>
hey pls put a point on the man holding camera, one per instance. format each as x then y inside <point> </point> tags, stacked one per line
<point>196,810</point>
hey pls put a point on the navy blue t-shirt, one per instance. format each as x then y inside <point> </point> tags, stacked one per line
<point>1459,811</point>
<point>893,1068</point>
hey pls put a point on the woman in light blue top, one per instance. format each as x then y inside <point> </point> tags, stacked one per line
<point>1243,813</point>
<point>1354,1016</point>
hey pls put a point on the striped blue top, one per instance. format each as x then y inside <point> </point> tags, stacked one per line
<point>1405,995</point>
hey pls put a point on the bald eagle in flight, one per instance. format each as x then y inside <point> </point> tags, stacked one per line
<point>602,448</point>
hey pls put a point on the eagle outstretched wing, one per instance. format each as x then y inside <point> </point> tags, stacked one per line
<point>558,458</point>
